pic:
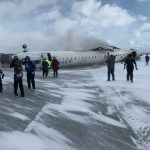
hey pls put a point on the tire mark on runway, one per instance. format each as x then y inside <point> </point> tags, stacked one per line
<point>129,109</point>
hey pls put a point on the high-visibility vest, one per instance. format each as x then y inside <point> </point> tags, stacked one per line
<point>49,63</point>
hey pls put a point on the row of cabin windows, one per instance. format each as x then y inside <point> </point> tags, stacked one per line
<point>85,57</point>
<point>67,59</point>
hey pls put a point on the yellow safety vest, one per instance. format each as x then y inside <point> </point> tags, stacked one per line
<point>49,63</point>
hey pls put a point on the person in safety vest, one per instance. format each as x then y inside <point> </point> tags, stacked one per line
<point>49,63</point>
<point>45,67</point>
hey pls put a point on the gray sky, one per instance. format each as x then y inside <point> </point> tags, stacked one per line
<point>73,24</point>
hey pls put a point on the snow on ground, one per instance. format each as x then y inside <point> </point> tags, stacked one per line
<point>130,99</point>
<point>85,97</point>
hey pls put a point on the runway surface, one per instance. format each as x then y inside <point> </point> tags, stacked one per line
<point>79,110</point>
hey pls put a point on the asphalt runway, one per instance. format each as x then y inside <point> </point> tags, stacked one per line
<point>44,106</point>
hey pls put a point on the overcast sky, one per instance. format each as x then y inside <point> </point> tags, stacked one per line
<point>73,24</point>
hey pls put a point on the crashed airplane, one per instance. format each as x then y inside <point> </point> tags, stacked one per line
<point>81,57</point>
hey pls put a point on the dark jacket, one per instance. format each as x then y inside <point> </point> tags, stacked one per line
<point>18,71</point>
<point>45,65</point>
<point>111,62</point>
<point>17,65</point>
<point>29,65</point>
<point>1,74</point>
<point>129,63</point>
<point>146,58</point>
<point>55,64</point>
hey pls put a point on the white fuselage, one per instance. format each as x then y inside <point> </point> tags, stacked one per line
<point>76,58</point>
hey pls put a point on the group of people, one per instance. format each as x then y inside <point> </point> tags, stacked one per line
<point>128,65</point>
<point>46,64</point>
<point>18,74</point>
<point>30,70</point>
<point>54,64</point>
